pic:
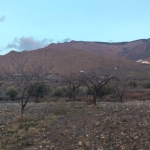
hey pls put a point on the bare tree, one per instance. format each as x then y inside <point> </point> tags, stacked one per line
<point>22,72</point>
<point>121,89</point>
<point>95,81</point>
<point>73,83</point>
<point>120,85</point>
<point>1,83</point>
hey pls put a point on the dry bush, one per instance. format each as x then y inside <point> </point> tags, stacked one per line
<point>87,99</point>
<point>139,95</point>
<point>62,110</point>
<point>20,119</point>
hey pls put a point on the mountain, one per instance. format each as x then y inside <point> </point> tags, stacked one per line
<point>75,56</point>
<point>134,50</point>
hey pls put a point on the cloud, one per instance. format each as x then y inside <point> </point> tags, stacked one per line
<point>64,40</point>
<point>2,18</point>
<point>67,40</point>
<point>28,43</point>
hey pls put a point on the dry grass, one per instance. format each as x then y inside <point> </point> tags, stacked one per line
<point>76,125</point>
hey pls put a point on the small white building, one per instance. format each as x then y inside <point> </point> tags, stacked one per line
<point>143,62</point>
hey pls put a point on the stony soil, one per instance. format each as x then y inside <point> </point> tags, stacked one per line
<point>75,126</point>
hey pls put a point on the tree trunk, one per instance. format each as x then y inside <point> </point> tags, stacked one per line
<point>94,100</point>
<point>73,95</point>
<point>23,105</point>
<point>121,99</point>
<point>22,111</point>
<point>36,99</point>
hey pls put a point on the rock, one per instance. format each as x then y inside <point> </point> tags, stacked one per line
<point>136,137</point>
<point>97,123</point>
<point>122,147</point>
<point>2,127</point>
<point>52,146</point>
<point>102,136</point>
<point>80,143</point>
<point>87,144</point>
<point>47,146</point>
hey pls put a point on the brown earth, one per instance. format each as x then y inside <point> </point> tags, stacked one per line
<point>70,126</point>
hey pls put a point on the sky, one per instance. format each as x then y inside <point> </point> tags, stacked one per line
<point>32,24</point>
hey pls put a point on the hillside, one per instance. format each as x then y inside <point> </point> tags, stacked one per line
<point>67,61</point>
<point>134,50</point>
<point>75,56</point>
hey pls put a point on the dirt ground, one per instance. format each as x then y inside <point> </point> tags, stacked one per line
<point>75,126</point>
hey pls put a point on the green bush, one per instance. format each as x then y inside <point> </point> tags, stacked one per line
<point>105,90</point>
<point>11,92</point>
<point>147,85</point>
<point>64,91</point>
<point>39,90</point>
<point>132,84</point>
<point>59,92</point>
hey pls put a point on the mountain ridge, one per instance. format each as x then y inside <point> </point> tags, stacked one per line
<point>80,55</point>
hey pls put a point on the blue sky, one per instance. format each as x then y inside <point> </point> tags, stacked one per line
<point>31,24</point>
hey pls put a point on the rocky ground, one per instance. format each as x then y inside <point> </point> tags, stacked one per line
<point>75,126</point>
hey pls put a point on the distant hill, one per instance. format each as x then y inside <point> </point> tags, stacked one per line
<point>134,50</point>
<point>75,56</point>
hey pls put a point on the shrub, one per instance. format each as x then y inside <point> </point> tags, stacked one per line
<point>11,92</point>
<point>147,85</point>
<point>64,91</point>
<point>61,111</point>
<point>132,84</point>
<point>105,90</point>
<point>60,92</point>
<point>38,90</point>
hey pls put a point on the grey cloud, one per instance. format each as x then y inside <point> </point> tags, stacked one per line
<point>64,40</point>
<point>11,46</point>
<point>67,40</point>
<point>2,18</point>
<point>28,43</point>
